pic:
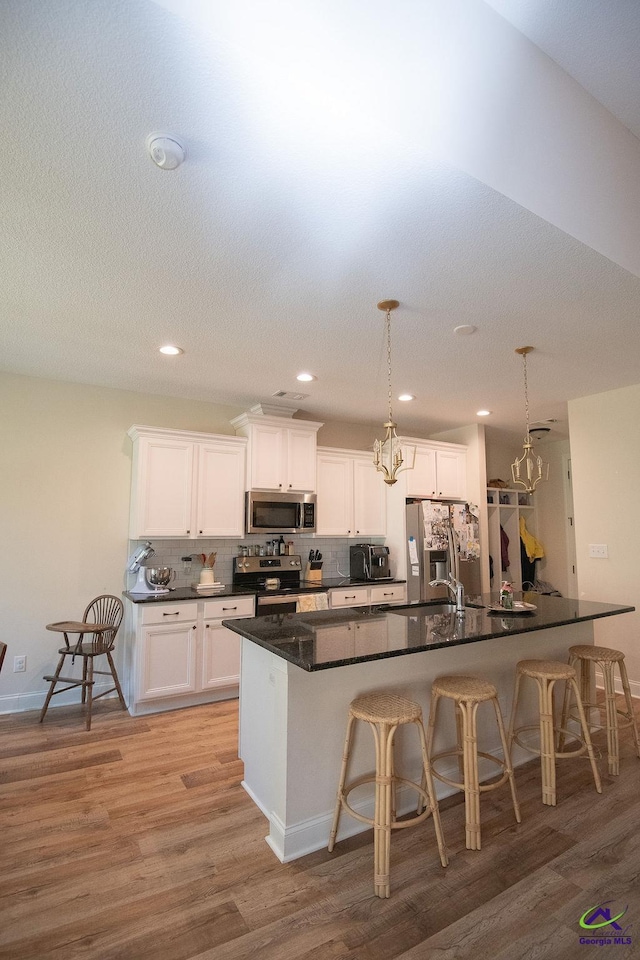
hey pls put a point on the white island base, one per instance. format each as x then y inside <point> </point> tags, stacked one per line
<point>293,723</point>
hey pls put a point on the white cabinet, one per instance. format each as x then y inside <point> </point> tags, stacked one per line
<point>166,651</point>
<point>182,654</point>
<point>440,471</point>
<point>504,509</point>
<point>351,495</point>
<point>220,665</point>
<point>281,455</point>
<point>367,595</point>
<point>186,485</point>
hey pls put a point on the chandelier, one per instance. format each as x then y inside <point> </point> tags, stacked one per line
<point>529,464</point>
<point>388,455</point>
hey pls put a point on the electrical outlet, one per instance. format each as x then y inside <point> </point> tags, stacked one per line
<point>19,664</point>
<point>598,551</point>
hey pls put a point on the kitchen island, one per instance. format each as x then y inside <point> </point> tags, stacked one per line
<point>300,672</point>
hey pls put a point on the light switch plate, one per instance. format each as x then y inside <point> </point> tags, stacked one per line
<point>598,551</point>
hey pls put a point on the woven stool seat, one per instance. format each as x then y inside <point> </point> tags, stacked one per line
<point>385,708</point>
<point>464,688</point>
<point>587,652</point>
<point>467,693</point>
<point>546,673</point>
<point>582,656</point>
<point>385,712</point>
<point>548,669</point>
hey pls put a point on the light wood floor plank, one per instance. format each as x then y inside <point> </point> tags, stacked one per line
<point>136,841</point>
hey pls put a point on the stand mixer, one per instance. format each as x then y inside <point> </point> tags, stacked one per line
<point>150,580</point>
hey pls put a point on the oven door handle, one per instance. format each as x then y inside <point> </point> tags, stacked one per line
<point>263,599</point>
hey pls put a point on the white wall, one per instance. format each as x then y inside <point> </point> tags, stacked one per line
<point>605,455</point>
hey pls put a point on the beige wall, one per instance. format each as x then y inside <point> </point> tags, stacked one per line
<point>605,456</point>
<point>64,501</point>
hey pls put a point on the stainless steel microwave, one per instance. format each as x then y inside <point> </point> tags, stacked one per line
<point>280,512</point>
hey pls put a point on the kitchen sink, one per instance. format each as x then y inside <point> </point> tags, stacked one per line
<point>428,609</point>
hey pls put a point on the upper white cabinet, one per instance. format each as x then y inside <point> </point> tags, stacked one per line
<point>186,485</point>
<point>351,495</point>
<point>440,471</point>
<point>281,453</point>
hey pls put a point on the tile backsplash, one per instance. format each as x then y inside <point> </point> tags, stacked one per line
<point>169,553</point>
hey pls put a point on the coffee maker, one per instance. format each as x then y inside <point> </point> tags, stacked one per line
<point>367,561</point>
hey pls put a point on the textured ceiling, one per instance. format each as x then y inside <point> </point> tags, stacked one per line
<point>267,251</point>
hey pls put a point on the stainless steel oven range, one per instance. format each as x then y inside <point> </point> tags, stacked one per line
<point>276,581</point>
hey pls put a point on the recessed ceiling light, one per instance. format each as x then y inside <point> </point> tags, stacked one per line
<point>483,413</point>
<point>306,377</point>
<point>170,350</point>
<point>465,330</point>
<point>406,396</point>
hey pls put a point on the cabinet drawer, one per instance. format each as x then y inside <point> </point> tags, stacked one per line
<point>391,593</point>
<point>226,608</point>
<point>169,612</point>
<point>351,597</point>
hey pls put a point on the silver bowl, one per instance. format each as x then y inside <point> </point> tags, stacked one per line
<point>159,576</point>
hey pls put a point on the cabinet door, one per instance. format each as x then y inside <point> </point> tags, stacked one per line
<point>268,457</point>
<point>335,496</point>
<point>220,499</point>
<point>167,664</point>
<point>421,481</point>
<point>369,500</point>
<point>301,460</point>
<point>349,597</point>
<point>220,657</point>
<point>163,489</point>
<point>451,474</point>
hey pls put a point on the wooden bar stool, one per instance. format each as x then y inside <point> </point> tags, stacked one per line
<point>584,655</point>
<point>467,693</point>
<point>385,713</point>
<point>546,673</point>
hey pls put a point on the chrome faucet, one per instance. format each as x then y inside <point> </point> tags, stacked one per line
<point>456,588</point>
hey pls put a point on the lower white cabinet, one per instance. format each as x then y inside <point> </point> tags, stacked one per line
<point>181,654</point>
<point>366,595</point>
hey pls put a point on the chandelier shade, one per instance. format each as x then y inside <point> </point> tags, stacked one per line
<point>388,455</point>
<point>529,469</point>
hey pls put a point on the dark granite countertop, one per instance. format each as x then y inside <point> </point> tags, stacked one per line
<point>229,590</point>
<point>312,642</point>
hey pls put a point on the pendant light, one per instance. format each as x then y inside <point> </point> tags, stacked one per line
<point>529,463</point>
<point>388,455</point>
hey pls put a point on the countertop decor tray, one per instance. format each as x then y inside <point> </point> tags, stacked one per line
<point>519,608</point>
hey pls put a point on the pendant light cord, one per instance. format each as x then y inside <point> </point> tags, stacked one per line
<point>389,361</point>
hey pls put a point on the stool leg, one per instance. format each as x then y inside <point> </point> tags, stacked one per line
<point>566,709</point>
<point>428,785</point>
<point>431,726</point>
<point>507,760</point>
<point>547,741</point>
<point>586,735</point>
<point>468,713</point>
<point>629,715</point>
<point>613,749</point>
<point>383,735</point>
<point>341,783</point>
<point>514,710</point>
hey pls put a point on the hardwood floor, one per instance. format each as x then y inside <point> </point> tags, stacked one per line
<point>136,841</point>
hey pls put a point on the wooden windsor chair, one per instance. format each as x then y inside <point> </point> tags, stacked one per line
<point>101,621</point>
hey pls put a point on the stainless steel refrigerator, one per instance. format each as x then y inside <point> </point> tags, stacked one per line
<point>442,538</point>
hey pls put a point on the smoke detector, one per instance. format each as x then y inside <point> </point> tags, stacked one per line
<point>166,151</point>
